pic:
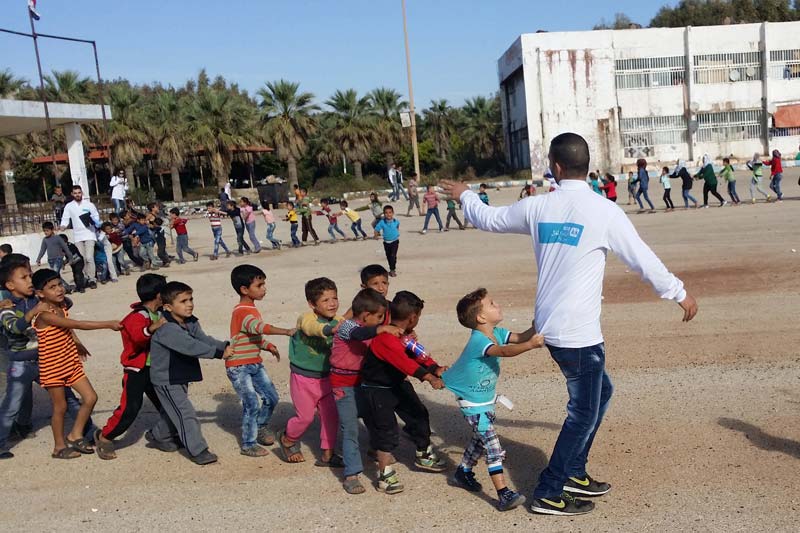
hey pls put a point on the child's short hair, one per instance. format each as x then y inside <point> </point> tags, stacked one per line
<point>343,203</point>
<point>149,286</point>
<point>42,277</point>
<point>18,259</point>
<point>64,237</point>
<point>209,204</point>
<point>157,221</point>
<point>151,205</point>
<point>105,225</point>
<point>141,216</point>
<point>592,175</point>
<point>368,301</point>
<point>405,304</point>
<point>172,289</point>
<point>113,215</point>
<point>665,169</point>
<point>483,186</point>
<point>290,204</point>
<point>175,211</point>
<point>245,200</point>
<point>373,271</point>
<point>244,276</point>
<point>325,201</point>
<point>7,269</point>
<point>469,307</point>
<point>726,159</point>
<point>317,286</point>
<point>48,226</point>
<point>388,208</point>
<point>230,202</point>
<point>6,249</point>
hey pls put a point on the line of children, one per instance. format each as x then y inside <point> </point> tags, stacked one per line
<point>333,223</point>
<point>355,220</point>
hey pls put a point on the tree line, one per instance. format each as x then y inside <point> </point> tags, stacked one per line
<point>202,127</point>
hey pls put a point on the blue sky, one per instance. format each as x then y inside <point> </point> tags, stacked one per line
<point>324,45</point>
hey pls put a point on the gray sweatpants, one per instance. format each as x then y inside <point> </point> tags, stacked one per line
<point>178,419</point>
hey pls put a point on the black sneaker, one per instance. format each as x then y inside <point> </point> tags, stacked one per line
<point>509,500</point>
<point>21,431</point>
<point>586,486</point>
<point>92,284</point>
<point>466,480</point>
<point>164,446</point>
<point>564,505</point>
<point>204,458</point>
<point>5,454</point>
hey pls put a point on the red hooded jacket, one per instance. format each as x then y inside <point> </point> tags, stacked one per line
<point>135,338</point>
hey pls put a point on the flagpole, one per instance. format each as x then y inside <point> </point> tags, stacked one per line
<point>414,148</point>
<point>44,98</point>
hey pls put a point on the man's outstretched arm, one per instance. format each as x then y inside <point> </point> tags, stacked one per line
<point>506,219</point>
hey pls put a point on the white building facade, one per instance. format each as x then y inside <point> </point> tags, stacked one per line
<point>659,93</point>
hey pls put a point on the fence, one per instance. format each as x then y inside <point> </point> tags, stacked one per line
<point>784,64</point>
<point>725,126</point>
<point>640,135</point>
<point>648,72</point>
<point>727,67</point>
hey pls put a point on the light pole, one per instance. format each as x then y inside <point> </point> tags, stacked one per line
<point>410,94</point>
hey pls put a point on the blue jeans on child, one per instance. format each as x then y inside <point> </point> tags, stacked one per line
<point>335,227</point>
<point>590,390</point>
<point>356,227</point>
<point>17,403</point>
<point>217,232</point>
<point>56,264</point>
<point>347,406</point>
<point>775,184</point>
<point>686,197</point>
<point>432,211</point>
<point>270,236</point>
<point>253,384</point>
<point>148,254</point>
<point>251,230</point>
<point>732,192</point>
<point>295,240</point>
<point>182,245</point>
<point>639,193</point>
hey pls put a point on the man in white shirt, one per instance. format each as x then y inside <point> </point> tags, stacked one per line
<point>119,188</point>
<point>393,183</point>
<point>572,230</point>
<point>398,184</point>
<point>85,221</point>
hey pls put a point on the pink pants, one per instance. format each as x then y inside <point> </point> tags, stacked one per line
<point>310,395</point>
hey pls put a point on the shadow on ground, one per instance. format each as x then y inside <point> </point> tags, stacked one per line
<point>761,439</point>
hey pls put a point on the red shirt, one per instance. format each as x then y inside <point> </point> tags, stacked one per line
<point>610,188</point>
<point>114,238</point>
<point>180,226</point>
<point>776,164</point>
<point>135,338</point>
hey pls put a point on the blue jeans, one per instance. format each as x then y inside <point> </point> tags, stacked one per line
<point>590,390</point>
<point>775,184</point>
<point>732,192</point>
<point>17,403</point>
<point>253,384</point>
<point>56,264</point>
<point>335,227</point>
<point>347,407</point>
<point>642,191</point>
<point>270,236</point>
<point>432,211</point>
<point>217,232</point>
<point>182,245</point>
<point>686,197</point>
<point>295,240</point>
<point>251,230</point>
<point>119,205</point>
<point>356,227</point>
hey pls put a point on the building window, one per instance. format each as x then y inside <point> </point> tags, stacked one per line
<point>784,64</point>
<point>726,126</point>
<point>784,132</point>
<point>650,72</point>
<point>641,135</point>
<point>727,67</point>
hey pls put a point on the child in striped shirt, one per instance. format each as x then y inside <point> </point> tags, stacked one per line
<point>214,218</point>
<point>245,367</point>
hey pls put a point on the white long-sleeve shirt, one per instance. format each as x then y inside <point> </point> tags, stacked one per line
<point>119,186</point>
<point>72,212</point>
<point>572,229</point>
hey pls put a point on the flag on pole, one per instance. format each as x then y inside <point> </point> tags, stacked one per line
<point>32,9</point>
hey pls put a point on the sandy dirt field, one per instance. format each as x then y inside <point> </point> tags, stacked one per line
<point>702,435</point>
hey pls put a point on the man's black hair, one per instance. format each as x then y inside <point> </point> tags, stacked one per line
<point>368,301</point>
<point>317,286</point>
<point>77,188</point>
<point>149,286</point>
<point>244,276</point>
<point>405,304</point>
<point>373,271</point>
<point>42,277</point>
<point>571,152</point>
<point>172,289</point>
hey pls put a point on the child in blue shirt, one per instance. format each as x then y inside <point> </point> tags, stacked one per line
<point>473,379</point>
<point>482,193</point>
<point>390,228</point>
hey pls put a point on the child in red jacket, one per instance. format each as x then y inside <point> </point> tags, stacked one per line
<point>137,328</point>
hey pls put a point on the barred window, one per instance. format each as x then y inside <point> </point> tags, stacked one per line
<point>784,132</point>
<point>647,72</point>
<point>640,135</point>
<point>784,64</point>
<point>727,67</point>
<point>725,126</point>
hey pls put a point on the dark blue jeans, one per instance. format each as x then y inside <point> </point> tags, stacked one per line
<point>643,192</point>
<point>259,399</point>
<point>347,406</point>
<point>432,211</point>
<point>590,390</point>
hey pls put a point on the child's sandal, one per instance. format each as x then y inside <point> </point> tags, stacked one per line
<point>82,445</point>
<point>105,448</point>
<point>353,486</point>
<point>336,461</point>
<point>66,453</point>
<point>289,451</point>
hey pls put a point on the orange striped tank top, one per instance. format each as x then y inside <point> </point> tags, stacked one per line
<point>59,363</point>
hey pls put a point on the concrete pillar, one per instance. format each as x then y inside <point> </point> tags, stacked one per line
<point>689,84</point>
<point>766,97</point>
<point>77,163</point>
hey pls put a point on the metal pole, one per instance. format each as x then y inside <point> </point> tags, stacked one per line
<point>103,111</point>
<point>44,97</point>
<point>410,94</point>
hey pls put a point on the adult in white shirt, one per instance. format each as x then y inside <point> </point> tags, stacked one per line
<point>84,230</point>
<point>572,230</point>
<point>119,189</point>
<point>394,195</point>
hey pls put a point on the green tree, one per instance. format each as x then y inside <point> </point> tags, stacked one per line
<point>621,22</point>
<point>482,126</point>
<point>352,126</point>
<point>11,148</point>
<point>127,130</point>
<point>166,131</point>
<point>289,122</point>
<point>10,85</point>
<point>439,125</point>
<point>69,86</point>
<point>388,132</point>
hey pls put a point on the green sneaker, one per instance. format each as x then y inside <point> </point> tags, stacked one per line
<point>389,483</point>
<point>586,486</point>
<point>564,505</point>
<point>428,460</point>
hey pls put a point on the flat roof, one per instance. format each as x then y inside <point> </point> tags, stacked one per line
<point>26,116</point>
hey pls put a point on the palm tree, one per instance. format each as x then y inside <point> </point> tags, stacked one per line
<point>220,121</point>
<point>352,126</point>
<point>10,147</point>
<point>10,85</point>
<point>482,128</point>
<point>127,131</point>
<point>289,122</point>
<point>439,125</point>
<point>167,132</point>
<point>387,105</point>
<point>68,86</point>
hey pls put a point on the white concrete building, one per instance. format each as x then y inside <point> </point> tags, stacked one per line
<point>660,93</point>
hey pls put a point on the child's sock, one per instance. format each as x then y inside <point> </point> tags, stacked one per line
<point>465,468</point>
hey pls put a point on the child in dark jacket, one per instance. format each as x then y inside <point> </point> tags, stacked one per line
<point>77,264</point>
<point>137,330</point>
<point>174,352</point>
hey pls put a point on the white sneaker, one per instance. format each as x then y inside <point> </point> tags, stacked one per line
<point>424,231</point>
<point>724,203</point>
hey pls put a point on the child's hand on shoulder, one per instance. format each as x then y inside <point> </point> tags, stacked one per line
<point>113,325</point>
<point>391,330</point>
<point>157,324</point>
<point>6,304</point>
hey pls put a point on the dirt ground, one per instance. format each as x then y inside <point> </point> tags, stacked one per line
<point>702,435</point>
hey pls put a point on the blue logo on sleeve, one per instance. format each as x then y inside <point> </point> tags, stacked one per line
<point>560,233</point>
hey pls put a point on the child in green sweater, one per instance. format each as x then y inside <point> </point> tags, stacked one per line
<point>727,174</point>
<point>309,383</point>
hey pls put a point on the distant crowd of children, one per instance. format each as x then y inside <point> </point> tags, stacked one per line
<point>343,367</point>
